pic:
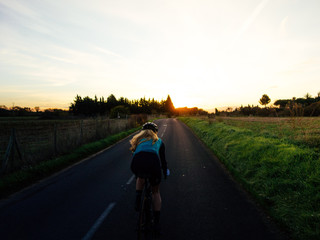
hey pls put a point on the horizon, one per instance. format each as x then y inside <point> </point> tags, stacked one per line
<point>203,54</point>
<point>223,108</point>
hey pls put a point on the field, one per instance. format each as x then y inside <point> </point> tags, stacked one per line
<point>277,160</point>
<point>298,130</point>
<point>40,140</point>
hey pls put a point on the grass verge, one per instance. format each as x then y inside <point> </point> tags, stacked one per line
<point>283,177</point>
<point>23,178</point>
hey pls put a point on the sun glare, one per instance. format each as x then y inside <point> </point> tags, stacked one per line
<point>181,100</point>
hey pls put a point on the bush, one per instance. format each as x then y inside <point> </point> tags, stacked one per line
<point>119,112</point>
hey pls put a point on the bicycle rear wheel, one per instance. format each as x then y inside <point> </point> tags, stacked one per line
<point>144,228</point>
<point>142,218</point>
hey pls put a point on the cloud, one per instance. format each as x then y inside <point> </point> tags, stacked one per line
<point>108,52</point>
<point>25,17</point>
<point>253,16</point>
<point>283,27</point>
<point>14,89</point>
<point>308,65</point>
<point>249,21</point>
<point>60,59</point>
<point>18,8</point>
<point>50,63</point>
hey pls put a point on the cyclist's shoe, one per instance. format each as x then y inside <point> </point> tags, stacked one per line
<point>157,229</point>
<point>137,203</point>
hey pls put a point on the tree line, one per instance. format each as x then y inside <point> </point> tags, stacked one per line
<point>121,107</point>
<point>307,106</point>
<point>110,107</point>
<point>93,107</point>
<point>17,111</point>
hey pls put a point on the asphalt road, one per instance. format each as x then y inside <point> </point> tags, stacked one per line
<point>94,199</point>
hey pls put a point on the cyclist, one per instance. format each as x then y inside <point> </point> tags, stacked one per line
<point>149,158</point>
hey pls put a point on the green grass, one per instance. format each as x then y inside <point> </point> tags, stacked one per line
<point>23,178</point>
<point>281,174</point>
<point>299,130</point>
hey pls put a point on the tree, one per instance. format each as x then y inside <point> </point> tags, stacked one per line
<point>119,112</point>
<point>98,106</point>
<point>265,100</point>
<point>282,103</point>
<point>111,102</point>
<point>308,95</point>
<point>168,106</point>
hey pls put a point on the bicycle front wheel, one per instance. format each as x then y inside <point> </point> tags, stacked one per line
<point>145,220</point>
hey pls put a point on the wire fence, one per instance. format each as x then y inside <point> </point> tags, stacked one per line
<point>25,143</point>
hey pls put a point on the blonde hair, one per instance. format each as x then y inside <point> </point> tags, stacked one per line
<point>146,134</point>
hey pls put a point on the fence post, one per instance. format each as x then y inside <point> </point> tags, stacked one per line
<point>55,148</point>
<point>81,131</point>
<point>7,155</point>
<point>96,126</point>
<point>13,144</point>
<point>108,128</point>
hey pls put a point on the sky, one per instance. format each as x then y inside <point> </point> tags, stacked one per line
<point>203,53</point>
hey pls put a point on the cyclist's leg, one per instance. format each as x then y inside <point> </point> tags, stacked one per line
<point>139,184</point>
<point>156,198</point>
<point>139,188</point>
<point>156,207</point>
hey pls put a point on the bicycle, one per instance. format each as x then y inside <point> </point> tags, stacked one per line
<point>145,220</point>
<point>145,227</point>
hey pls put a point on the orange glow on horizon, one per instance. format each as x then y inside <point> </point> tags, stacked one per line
<point>180,101</point>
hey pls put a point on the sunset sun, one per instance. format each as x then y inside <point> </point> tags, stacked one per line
<point>181,100</point>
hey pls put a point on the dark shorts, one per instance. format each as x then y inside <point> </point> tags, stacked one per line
<point>147,164</point>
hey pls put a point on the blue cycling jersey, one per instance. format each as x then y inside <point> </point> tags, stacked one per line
<point>149,146</point>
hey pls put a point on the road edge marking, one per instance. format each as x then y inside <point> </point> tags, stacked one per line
<point>130,180</point>
<point>99,221</point>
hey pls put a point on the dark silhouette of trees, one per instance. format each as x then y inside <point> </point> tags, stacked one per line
<point>308,96</point>
<point>84,106</point>
<point>123,107</point>
<point>313,109</point>
<point>249,110</point>
<point>303,102</point>
<point>114,107</point>
<point>307,106</point>
<point>119,111</point>
<point>265,100</point>
<point>17,111</point>
<point>111,102</point>
<point>54,113</point>
<point>281,103</point>
<point>168,106</point>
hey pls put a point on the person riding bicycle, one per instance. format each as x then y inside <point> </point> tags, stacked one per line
<point>148,159</point>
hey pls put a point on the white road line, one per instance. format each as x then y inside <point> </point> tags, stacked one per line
<point>106,212</point>
<point>130,180</point>
<point>97,224</point>
<point>165,128</point>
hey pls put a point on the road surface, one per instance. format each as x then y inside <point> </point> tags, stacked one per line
<point>94,199</point>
